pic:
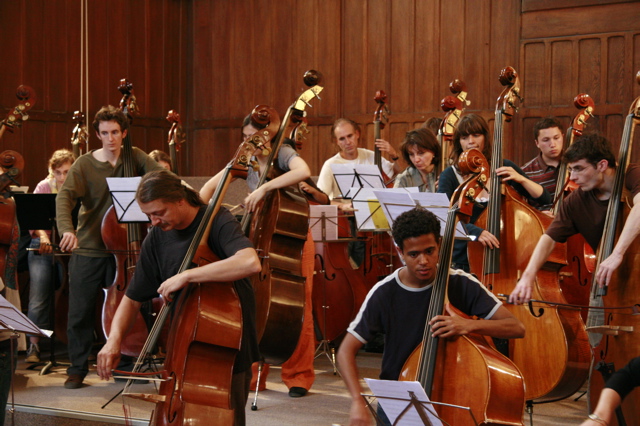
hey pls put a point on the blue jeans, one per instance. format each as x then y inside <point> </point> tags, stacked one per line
<point>41,286</point>
<point>6,374</point>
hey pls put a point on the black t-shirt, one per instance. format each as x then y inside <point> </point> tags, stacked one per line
<point>162,255</point>
<point>400,312</point>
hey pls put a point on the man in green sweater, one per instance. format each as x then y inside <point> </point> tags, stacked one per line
<point>91,268</point>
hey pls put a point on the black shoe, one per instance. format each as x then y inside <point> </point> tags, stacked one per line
<point>74,381</point>
<point>297,392</point>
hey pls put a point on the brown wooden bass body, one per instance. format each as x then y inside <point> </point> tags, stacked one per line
<point>280,231</point>
<point>338,289</point>
<point>554,355</point>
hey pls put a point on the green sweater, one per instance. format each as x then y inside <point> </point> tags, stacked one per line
<point>87,183</point>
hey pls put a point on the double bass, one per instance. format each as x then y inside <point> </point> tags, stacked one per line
<point>380,119</point>
<point>207,319</point>
<point>11,165</point>
<point>614,332</point>
<point>381,258</point>
<point>124,240</point>
<point>554,355</point>
<point>278,231</point>
<point>465,371</point>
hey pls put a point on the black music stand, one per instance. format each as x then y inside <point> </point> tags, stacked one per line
<point>325,347</point>
<point>38,211</point>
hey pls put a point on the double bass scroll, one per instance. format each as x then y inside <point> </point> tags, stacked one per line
<point>80,134</point>
<point>453,106</point>
<point>27,97</point>
<point>175,139</point>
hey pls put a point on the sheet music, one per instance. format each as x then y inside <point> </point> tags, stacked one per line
<point>123,193</point>
<point>396,203</point>
<point>350,176</point>
<point>330,222</point>
<point>368,212</point>
<point>385,389</point>
<point>13,320</point>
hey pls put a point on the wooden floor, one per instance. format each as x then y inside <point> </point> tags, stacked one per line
<point>42,400</point>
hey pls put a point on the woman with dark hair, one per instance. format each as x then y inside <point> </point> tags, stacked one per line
<point>421,150</point>
<point>473,132</point>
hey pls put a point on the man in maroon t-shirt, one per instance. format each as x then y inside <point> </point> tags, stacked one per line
<point>592,167</point>
<point>543,169</point>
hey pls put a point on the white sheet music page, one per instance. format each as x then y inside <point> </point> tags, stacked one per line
<point>349,176</point>
<point>386,389</point>
<point>369,214</point>
<point>394,204</point>
<point>123,192</point>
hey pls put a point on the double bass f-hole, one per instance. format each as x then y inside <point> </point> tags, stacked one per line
<point>323,269</point>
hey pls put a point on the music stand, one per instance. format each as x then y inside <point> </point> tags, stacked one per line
<point>407,403</point>
<point>123,194</point>
<point>14,321</point>
<point>324,223</point>
<point>38,211</point>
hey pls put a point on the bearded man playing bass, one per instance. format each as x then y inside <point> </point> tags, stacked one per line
<point>399,304</point>
<point>176,212</point>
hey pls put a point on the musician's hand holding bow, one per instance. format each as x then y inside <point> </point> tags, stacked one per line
<point>45,244</point>
<point>69,242</point>
<point>108,359</point>
<point>522,293</point>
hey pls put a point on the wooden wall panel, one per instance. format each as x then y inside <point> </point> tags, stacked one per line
<point>126,39</point>
<point>589,68</point>
<point>213,61</point>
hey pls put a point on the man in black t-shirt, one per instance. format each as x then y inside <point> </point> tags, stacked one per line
<point>176,212</point>
<point>399,304</point>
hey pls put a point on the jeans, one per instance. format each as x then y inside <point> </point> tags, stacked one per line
<point>42,284</point>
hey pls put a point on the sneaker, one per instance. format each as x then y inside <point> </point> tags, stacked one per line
<point>74,381</point>
<point>33,354</point>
